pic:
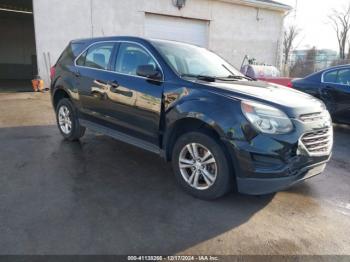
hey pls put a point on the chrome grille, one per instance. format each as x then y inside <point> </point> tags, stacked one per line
<point>312,117</point>
<point>318,142</point>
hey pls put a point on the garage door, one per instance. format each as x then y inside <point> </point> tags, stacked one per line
<point>180,29</point>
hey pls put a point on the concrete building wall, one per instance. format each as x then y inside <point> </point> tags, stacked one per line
<point>17,46</point>
<point>234,29</point>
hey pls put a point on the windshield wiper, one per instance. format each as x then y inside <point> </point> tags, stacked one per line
<point>201,77</point>
<point>237,77</point>
<point>214,78</point>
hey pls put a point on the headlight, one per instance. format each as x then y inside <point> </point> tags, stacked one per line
<point>266,119</point>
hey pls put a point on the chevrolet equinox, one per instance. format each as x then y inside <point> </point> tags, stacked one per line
<point>220,129</point>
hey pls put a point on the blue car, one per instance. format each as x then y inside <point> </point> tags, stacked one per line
<point>332,86</point>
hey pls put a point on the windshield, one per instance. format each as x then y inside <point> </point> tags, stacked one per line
<point>189,60</point>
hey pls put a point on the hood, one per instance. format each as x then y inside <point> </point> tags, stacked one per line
<point>293,102</point>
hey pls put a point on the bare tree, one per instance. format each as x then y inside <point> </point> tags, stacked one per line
<point>290,34</point>
<point>310,64</point>
<point>340,20</point>
<point>305,65</point>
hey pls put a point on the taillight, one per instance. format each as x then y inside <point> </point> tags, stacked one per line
<point>52,72</point>
<point>290,84</point>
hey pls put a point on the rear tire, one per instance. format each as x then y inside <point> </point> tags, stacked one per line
<point>201,166</point>
<point>67,120</point>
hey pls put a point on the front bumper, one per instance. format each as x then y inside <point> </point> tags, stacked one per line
<point>268,163</point>
<point>260,186</point>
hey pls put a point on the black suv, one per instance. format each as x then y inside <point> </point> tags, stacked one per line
<point>219,128</point>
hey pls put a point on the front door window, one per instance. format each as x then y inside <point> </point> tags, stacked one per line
<point>130,57</point>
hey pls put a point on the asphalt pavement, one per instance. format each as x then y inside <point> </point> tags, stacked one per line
<point>101,196</point>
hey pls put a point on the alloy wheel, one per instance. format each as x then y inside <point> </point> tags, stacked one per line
<point>198,166</point>
<point>64,119</point>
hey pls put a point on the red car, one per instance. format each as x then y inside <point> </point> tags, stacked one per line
<point>266,73</point>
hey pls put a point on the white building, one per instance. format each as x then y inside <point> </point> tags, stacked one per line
<point>232,28</point>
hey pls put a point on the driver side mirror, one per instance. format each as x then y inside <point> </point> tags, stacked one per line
<point>149,71</point>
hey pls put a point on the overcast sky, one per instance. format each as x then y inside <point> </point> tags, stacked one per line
<point>311,17</point>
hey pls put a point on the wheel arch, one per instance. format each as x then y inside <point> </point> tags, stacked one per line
<point>58,95</point>
<point>186,124</point>
<point>63,87</point>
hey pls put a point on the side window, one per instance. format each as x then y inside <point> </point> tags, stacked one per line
<point>70,53</point>
<point>130,57</point>
<point>98,56</point>
<point>330,77</point>
<point>344,77</point>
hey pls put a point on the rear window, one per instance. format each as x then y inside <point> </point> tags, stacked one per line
<point>70,53</point>
<point>98,56</point>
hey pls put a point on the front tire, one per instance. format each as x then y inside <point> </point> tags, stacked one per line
<point>201,166</point>
<point>67,121</point>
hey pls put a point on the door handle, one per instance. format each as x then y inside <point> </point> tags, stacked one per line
<point>100,82</point>
<point>114,86</point>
